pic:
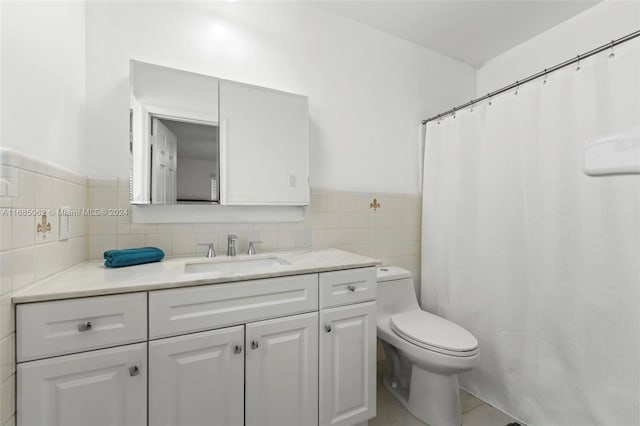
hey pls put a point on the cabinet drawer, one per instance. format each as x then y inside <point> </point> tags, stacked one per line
<point>54,328</point>
<point>346,287</point>
<point>187,310</point>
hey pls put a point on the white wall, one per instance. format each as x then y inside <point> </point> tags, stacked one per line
<point>43,80</point>
<point>194,178</point>
<point>368,90</point>
<point>603,22</point>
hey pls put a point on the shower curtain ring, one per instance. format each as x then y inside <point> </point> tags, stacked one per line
<point>611,55</point>
<point>454,113</point>
<point>517,87</point>
<point>578,67</point>
<point>438,119</point>
<point>545,77</point>
<point>490,102</point>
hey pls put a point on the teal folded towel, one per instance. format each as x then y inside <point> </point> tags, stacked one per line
<point>134,256</point>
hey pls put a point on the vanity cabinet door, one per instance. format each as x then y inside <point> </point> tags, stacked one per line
<point>348,364</point>
<point>282,372</point>
<point>103,387</point>
<point>197,379</point>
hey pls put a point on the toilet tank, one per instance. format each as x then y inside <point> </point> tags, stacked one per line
<point>396,292</point>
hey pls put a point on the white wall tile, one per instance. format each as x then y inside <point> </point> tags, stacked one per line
<point>103,197</point>
<point>5,229</point>
<point>7,364</point>
<point>7,398</point>
<point>11,422</point>
<point>319,220</point>
<point>162,241</point>
<point>380,219</point>
<point>72,252</point>
<point>347,203</point>
<point>98,244</point>
<point>6,316</point>
<point>123,228</point>
<point>26,190</point>
<point>23,231</point>
<point>44,192</point>
<point>205,227</point>
<point>143,228</point>
<point>47,260</point>
<point>130,241</point>
<point>183,244</point>
<point>61,193</point>
<point>93,182</point>
<point>6,279</point>
<point>174,228</point>
<point>103,225</point>
<point>269,239</point>
<point>361,220</point>
<point>303,238</point>
<point>334,220</point>
<point>22,267</point>
<point>286,239</point>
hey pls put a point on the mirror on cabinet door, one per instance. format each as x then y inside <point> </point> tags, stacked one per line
<point>196,139</point>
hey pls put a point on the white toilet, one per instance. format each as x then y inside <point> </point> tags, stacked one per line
<point>424,352</point>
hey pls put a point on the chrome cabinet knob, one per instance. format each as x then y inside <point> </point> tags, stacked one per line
<point>134,371</point>
<point>327,327</point>
<point>351,287</point>
<point>237,349</point>
<point>254,344</point>
<point>85,326</point>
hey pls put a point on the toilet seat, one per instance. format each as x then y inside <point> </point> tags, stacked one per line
<point>434,333</point>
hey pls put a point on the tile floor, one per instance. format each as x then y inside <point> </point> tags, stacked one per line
<point>475,412</point>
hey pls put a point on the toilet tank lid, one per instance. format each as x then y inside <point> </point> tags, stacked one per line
<point>390,273</point>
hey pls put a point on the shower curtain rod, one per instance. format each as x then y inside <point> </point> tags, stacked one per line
<point>546,71</point>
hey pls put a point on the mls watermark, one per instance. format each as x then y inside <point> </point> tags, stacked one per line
<point>63,212</point>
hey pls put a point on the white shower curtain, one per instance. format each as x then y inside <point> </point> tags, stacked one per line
<point>538,260</point>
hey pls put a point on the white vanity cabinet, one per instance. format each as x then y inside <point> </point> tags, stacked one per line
<point>294,350</point>
<point>103,387</point>
<point>282,371</point>
<point>94,387</point>
<point>347,347</point>
<point>197,379</point>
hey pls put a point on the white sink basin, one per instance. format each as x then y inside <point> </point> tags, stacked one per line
<point>234,264</point>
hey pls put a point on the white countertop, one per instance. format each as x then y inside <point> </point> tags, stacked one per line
<point>94,279</point>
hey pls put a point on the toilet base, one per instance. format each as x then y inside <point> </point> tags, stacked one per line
<point>433,398</point>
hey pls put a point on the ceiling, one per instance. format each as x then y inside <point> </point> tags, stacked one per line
<point>472,31</point>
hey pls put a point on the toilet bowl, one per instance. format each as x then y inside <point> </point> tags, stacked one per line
<point>424,352</point>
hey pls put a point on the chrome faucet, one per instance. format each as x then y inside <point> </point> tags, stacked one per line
<point>252,249</point>
<point>211,252</point>
<point>231,244</point>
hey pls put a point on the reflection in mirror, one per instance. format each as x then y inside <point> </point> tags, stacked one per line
<point>184,161</point>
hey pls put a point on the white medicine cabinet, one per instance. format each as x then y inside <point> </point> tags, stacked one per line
<point>201,140</point>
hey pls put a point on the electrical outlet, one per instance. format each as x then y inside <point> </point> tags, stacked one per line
<point>292,181</point>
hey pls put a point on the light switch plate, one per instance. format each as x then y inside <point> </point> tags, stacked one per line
<point>63,224</point>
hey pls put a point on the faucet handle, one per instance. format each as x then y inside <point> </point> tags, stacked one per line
<point>212,251</point>
<point>252,249</point>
